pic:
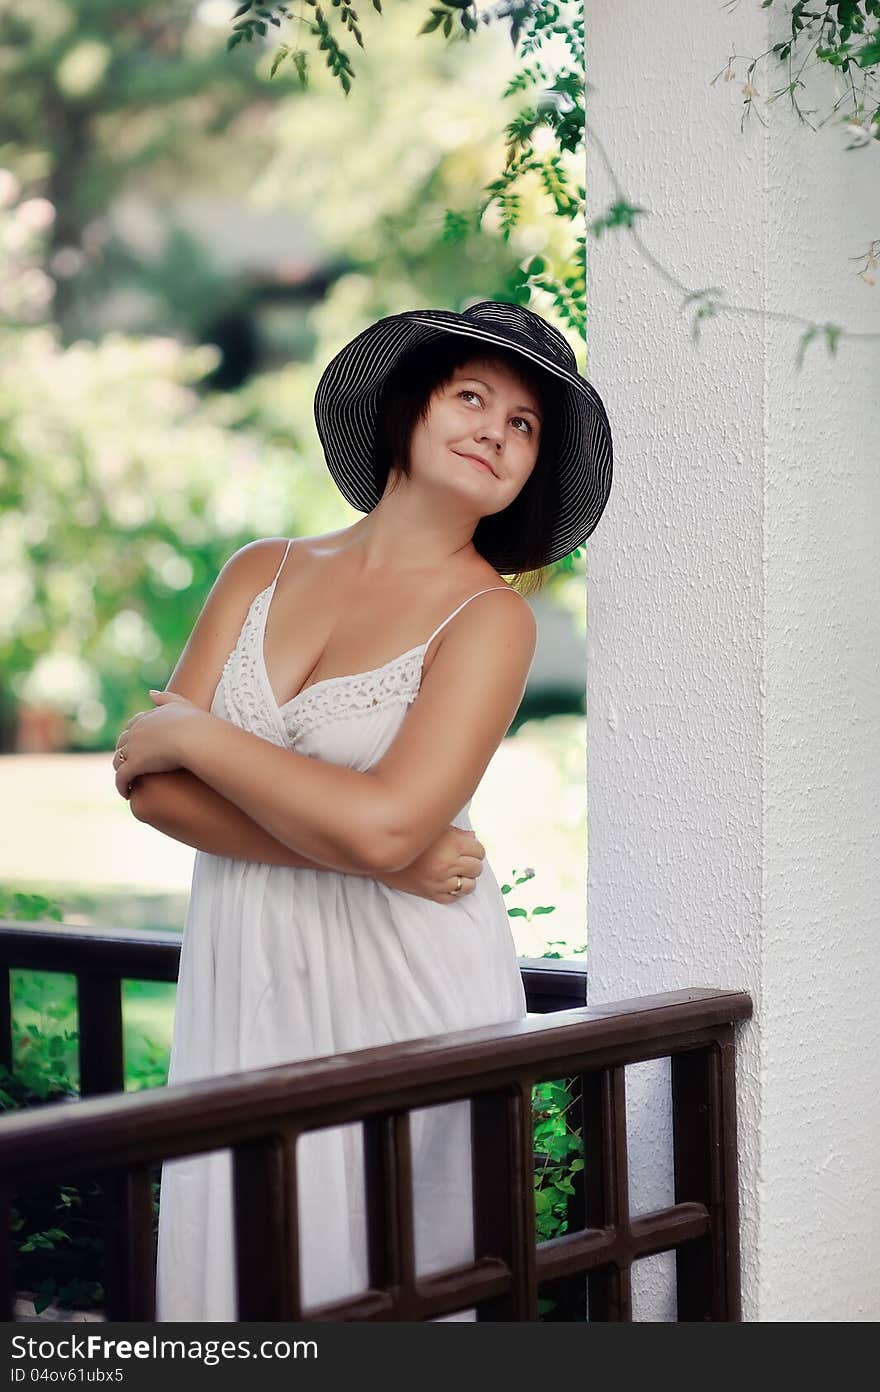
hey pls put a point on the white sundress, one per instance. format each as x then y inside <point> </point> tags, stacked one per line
<point>281,963</point>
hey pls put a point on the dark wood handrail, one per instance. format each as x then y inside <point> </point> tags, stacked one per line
<point>133,953</point>
<point>154,955</point>
<point>102,958</point>
<point>141,1127</point>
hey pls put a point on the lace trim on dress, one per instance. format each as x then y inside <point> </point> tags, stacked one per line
<point>242,679</point>
<point>251,702</point>
<point>343,698</point>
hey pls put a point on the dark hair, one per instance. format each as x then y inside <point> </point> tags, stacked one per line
<point>525,525</point>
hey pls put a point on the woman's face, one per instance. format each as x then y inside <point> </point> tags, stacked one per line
<point>481,435</point>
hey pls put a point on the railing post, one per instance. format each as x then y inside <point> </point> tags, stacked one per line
<point>101,1060</point>
<point>267,1228</point>
<point>390,1219</point>
<point>504,1199</point>
<point>607,1185</point>
<point>704,1136</point>
<point>129,1257</point>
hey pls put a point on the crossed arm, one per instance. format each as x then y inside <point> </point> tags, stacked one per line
<point>362,822</point>
<point>181,806</point>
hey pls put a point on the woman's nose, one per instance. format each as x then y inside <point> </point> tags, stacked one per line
<point>491,431</point>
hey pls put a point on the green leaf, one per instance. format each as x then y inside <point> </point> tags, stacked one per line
<point>869,53</point>
<point>278,59</point>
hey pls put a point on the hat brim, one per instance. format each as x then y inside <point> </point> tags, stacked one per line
<point>346,403</point>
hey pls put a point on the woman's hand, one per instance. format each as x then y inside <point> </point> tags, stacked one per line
<point>151,741</point>
<point>434,874</point>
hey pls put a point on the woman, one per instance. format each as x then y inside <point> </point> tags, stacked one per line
<point>322,755</point>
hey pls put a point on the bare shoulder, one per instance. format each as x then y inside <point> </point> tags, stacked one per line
<point>495,612</point>
<point>260,559</point>
<point>256,561</point>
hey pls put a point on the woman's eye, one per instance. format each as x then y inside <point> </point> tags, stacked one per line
<point>468,391</point>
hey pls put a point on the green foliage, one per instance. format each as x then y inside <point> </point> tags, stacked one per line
<point>453,12</point>
<point>840,34</point>
<point>97,443</point>
<point>109,440</point>
<point>561,1146</point>
<point>844,35</point>
<point>55,1230</point>
<point>28,908</point>
<point>556,110</point>
<point>517,912</point>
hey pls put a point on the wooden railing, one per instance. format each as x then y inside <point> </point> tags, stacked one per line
<point>259,1116</point>
<point>102,958</point>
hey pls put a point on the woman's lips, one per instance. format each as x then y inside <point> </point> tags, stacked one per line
<point>480,464</point>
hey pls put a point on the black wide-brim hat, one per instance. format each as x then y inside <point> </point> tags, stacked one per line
<point>347,399</point>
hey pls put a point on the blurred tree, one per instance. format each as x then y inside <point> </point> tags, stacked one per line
<point>99,91</point>
<point>122,493</point>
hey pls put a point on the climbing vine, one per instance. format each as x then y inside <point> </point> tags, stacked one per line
<point>844,36</point>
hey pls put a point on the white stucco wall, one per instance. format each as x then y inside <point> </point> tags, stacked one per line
<point>733,646</point>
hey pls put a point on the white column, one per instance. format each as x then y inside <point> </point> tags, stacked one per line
<point>733,616</point>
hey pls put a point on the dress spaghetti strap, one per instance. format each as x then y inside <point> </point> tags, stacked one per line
<point>281,567</point>
<point>461,606</point>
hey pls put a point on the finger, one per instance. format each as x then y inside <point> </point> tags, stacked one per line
<point>467,885</point>
<point>468,865</point>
